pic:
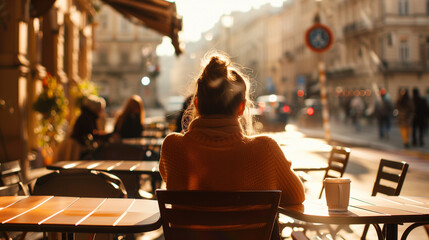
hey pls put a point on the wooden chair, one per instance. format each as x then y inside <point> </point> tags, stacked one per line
<point>337,163</point>
<point>80,183</point>
<point>10,173</point>
<point>389,181</point>
<point>210,215</point>
<point>10,190</point>
<point>12,184</point>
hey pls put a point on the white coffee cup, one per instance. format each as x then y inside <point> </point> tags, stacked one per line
<point>337,192</point>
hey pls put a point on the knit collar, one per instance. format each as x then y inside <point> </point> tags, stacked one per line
<point>215,128</point>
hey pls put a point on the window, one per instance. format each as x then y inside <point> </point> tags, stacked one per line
<point>102,57</point>
<point>125,26</point>
<point>389,39</point>
<point>403,7</point>
<point>404,51</point>
<point>103,22</point>
<point>125,57</point>
<point>427,7</point>
<point>427,49</point>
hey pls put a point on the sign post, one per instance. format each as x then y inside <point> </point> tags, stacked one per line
<point>319,39</point>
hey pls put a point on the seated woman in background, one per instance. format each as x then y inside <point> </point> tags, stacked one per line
<point>130,121</point>
<point>85,132</point>
<point>217,152</point>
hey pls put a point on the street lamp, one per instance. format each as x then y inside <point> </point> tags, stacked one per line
<point>228,22</point>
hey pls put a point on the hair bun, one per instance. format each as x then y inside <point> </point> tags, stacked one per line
<point>216,68</point>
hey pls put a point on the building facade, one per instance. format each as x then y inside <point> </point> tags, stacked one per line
<point>125,53</point>
<point>38,38</point>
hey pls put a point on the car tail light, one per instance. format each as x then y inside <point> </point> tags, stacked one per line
<point>261,107</point>
<point>286,108</point>
<point>310,111</point>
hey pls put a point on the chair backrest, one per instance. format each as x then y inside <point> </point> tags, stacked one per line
<point>80,183</point>
<point>390,177</point>
<point>218,214</point>
<point>10,190</point>
<point>337,163</point>
<point>118,151</point>
<point>10,173</point>
<point>156,130</point>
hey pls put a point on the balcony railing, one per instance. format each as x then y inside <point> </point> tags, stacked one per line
<point>400,66</point>
<point>340,73</point>
<point>355,28</point>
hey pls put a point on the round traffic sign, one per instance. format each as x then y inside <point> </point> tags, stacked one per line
<point>319,38</point>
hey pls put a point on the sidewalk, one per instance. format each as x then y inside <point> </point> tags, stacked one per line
<point>345,133</point>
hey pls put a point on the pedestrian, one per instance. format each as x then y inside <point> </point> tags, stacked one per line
<point>405,108</point>
<point>217,152</point>
<point>130,120</point>
<point>419,120</point>
<point>383,112</point>
<point>357,107</point>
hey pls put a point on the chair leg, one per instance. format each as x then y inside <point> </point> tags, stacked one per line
<point>22,236</point>
<point>6,236</point>
<point>365,231</point>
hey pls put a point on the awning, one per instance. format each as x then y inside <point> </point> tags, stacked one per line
<point>159,15</point>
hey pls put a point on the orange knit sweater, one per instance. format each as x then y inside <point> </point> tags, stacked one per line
<point>215,155</point>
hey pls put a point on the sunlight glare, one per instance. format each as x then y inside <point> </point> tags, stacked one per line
<point>165,48</point>
<point>290,128</point>
<point>200,16</point>
<point>276,3</point>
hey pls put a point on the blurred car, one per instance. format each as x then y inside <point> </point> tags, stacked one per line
<point>311,113</point>
<point>272,112</point>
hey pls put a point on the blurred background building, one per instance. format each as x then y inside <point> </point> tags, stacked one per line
<point>377,44</point>
<point>125,60</point>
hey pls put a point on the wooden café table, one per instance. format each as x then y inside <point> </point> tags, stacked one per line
<point>75,214</point>
<point>113,166</point>
<point>144,141</point>
<point>388,210</point>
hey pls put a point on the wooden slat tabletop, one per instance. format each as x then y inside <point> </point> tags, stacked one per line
<point>363,210</point>
<point>132,167</point>
<point>54,213</point>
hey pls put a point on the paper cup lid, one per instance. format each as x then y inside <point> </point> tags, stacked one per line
<point>337,180</point>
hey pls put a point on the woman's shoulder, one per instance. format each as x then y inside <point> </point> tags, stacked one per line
<point>262,139</point>
<point>173,137</point>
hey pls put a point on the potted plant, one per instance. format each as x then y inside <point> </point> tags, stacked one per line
<point>52,105</point>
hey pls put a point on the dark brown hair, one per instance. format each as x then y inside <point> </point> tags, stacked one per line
<point>133,105</point>
<point>220,89</point>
